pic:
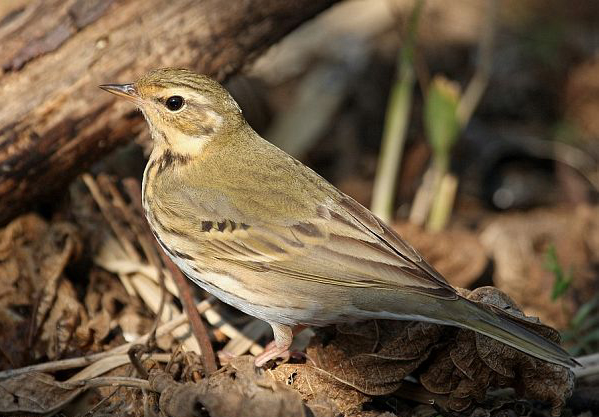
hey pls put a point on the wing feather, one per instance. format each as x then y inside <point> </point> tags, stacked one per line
<point>343,244</point>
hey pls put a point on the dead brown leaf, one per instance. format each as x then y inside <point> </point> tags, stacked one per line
<point>34,393</point>
<point>35,300</point>
<point>461,264</point>
<point>353,362</point>
<point>321,389</point>
<point>236,390</point>
<point>518,244</point>
<point>58,329</point>
<point>473,363</point>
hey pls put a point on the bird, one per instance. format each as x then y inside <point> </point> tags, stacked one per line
<point>262,232</point>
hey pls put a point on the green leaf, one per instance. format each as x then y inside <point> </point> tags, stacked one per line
<point>440,120</point>
<point>562,281</point>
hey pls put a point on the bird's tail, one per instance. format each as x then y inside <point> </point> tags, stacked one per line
<point>506,329</point>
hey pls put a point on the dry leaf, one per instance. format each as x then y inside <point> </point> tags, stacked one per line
<point>461,264</point>
<point>374,357</point>
<point>33,255</point>
<point>319,388</point>
<point>473,363</point>
<point>518,243</point>
<point>236,390</point>
<point>58,329</point>
<point>57,246</point>
<point>34,393</point>
<point>352,360</point>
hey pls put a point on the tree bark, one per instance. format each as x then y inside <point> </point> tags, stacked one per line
<point>55,122</point>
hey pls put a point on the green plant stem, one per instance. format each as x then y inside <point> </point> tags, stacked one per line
<point>445,186</point>
<point>396,124</point>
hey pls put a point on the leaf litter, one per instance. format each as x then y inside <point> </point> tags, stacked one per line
<point>78,301</point>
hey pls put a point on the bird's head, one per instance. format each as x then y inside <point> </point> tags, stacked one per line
<point>184,109</point>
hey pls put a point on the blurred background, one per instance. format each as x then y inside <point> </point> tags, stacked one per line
<point>471,126</point>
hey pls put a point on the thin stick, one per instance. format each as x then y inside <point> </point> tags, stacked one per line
<point>142,233</point>
<point>590,366</point>
<point>197,325</point>
<point>104,205</point>
<point>111,381</point>
<point>134,216</point>
<point>480,80</point>
<point>195,320</point>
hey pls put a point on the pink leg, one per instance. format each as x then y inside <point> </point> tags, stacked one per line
<point>296,330</point>
<point>283,338</point>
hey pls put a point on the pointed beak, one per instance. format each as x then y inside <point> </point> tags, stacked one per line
<point>127,91</point>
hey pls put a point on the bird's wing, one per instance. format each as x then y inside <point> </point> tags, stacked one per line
<point>343,244</point>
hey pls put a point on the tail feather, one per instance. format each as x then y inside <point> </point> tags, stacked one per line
<point>506,329</point>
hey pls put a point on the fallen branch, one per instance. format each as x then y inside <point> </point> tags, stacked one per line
<point>59,123</point>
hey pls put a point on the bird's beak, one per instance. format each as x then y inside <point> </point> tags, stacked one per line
<point>127,91</point>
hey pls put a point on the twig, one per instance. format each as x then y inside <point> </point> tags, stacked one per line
<point>218,321</point>
<point>122,234</point>
<point>104,205</point>
<point>195,320</point>
<point>478,84</point>
<point>135,353</point>
<point>590,366</point>
<point>92,411</point>
<point>142,233</point>
<point>254,330</point>
<point>108,364</point>
<point>133,217</point>
<point>111,381</point>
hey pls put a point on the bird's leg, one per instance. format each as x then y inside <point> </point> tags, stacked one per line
<point>296,330</point>
<point>283,338</point>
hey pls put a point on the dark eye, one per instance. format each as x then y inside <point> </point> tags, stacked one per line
<point>174,103</point>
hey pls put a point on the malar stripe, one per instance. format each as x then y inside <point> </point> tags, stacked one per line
<point>169,158</point>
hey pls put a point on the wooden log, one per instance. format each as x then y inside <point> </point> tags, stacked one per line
<point>55,122</point>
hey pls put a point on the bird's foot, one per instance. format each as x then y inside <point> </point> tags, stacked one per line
<point>272,351</point>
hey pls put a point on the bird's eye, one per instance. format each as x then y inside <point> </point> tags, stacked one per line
<point>174,103</point>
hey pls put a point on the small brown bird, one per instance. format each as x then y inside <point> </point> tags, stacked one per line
<point>264,233</point>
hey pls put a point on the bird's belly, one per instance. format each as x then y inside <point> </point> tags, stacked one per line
<point>274,308</point>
